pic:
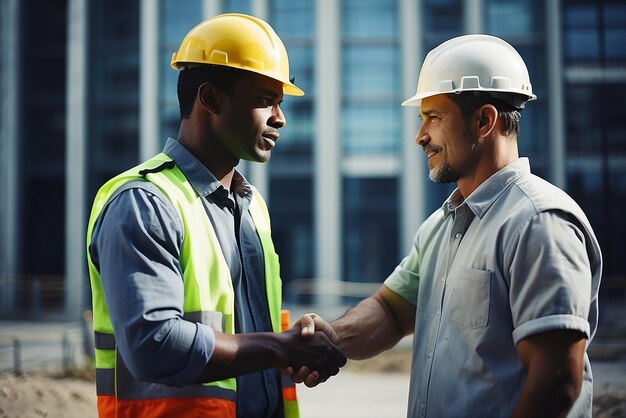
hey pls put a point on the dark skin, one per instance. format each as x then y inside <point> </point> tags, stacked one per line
<point>553,360</point>
<point>223,128</point>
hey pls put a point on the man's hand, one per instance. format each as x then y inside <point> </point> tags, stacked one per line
<point>312,351</point>
<point>307,326</point>
<point>237,354</point>
<point>311,322</point>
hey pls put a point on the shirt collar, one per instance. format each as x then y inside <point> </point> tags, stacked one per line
<point>489,191</point>
<point>200,178</point>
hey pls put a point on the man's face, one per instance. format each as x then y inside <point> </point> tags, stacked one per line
<point>446,139</point>
<point>250,117</point>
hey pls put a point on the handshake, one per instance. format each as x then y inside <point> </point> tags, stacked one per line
<point>312,351</point>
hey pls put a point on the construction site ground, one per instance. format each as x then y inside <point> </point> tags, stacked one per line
<point>374,388</point>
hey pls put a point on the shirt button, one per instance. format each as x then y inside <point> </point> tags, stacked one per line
<point>443,279</point>
<point>458,235</point>
<point>430,354</point>
<point>437,315</point>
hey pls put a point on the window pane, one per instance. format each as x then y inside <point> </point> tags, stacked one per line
<point>370,70</point>
<point>511,18</point>
<point>292,229</point>
<point>177,19</point>
<point>369,19</point>
<point>370,228</point>
<point>580,36</point>
<point>370,128</point>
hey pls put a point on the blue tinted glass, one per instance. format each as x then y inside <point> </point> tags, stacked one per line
<point>370,228</point>
<point>583,134</point>
<point>615,35</point>
<point>294,19</point>
<point>369,19</point>
<point>442,20</point>
<point>294,22</point>
<point>113,86</point>
<point>299,129</point>
<point>301,66</point>
<point>581,45</point>
<point>510,18</point>
<point>370,128</point>
<point>236,6</point>
<point>580,35</point>
<point>370,70</point>
<point>177,18</point>
<point>291,199</point>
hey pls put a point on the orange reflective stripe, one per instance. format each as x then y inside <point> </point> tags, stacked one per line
<point>289,394</point>
<point>109,407</point>
<point>106,406</point>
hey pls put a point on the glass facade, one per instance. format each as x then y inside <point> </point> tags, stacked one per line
<point>176,19</point>
<point>42,155</point>
<point>113,90</point>
<point>594,32</point>
<point>443,19</point>
<point>594,38</point>
<point>290,168</point>
<point>370,126</point>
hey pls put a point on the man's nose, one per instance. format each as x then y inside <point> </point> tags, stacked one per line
<point>278,119</point>
<point>422,137</point>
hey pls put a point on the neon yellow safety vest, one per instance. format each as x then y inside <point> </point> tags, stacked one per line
<point>208,298</point>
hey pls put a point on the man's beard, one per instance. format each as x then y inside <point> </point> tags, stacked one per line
<point>444,174</point>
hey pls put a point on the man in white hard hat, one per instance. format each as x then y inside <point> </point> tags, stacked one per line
<point>185,281</point>
<point>500,286</point>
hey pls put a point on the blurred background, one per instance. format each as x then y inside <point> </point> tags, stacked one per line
<point>86,91</point>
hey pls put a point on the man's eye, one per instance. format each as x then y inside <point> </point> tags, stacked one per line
<point>266,101</point>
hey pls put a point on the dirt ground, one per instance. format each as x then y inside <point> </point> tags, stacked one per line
<point>38,395</point>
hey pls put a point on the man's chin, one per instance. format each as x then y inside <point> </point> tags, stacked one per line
<point>260,157</point>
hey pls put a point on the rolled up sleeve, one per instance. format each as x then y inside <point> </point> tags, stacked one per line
<point>550,276</point>
<point>135,245</point>
<point>404,280</point>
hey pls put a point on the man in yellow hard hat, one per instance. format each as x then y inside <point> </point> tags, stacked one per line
<point>185,279</point>
<point>500,287</point>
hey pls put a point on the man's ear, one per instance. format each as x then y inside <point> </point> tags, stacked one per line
<point>207,97</point>
<point>488,116</point>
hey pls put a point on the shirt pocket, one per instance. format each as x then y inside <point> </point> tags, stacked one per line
<point>470,297</point>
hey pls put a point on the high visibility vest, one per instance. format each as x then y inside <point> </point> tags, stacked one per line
<point>208,298</point>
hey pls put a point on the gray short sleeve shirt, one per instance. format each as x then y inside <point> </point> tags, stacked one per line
<point>516,258</point>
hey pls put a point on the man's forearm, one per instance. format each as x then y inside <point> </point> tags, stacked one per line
<point>374,325</point>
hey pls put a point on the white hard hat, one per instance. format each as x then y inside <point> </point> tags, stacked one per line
<point>474,63</point>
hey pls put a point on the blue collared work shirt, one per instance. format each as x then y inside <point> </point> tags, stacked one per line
<point>136,243</point>
<point>515,258</point>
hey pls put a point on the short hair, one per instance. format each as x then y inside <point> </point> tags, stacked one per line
<point>191,78</point>
<point>469,101</point>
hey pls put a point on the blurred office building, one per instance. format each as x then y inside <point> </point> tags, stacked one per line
<point>86,91</point>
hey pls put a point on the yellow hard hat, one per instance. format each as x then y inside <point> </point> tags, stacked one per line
<point>237,41</point>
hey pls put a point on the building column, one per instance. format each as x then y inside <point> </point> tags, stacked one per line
<point>326,151</point>
<point>474,16</point>
<point>149,121</point>
<point>9,135</point>
<point>555,95</point>
<point>412,176</point>
<point>211,8</point>
<point>75,157</point>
